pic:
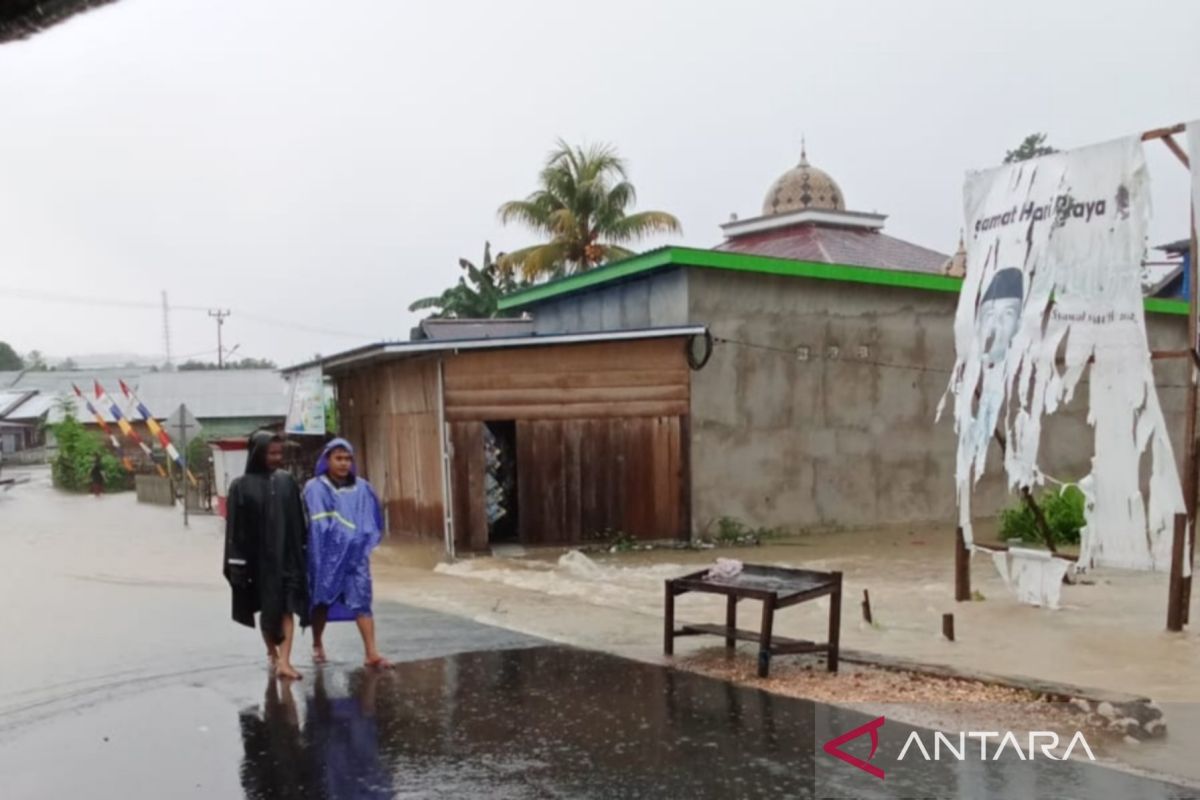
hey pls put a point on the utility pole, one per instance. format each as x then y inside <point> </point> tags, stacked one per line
<point>220,316</point>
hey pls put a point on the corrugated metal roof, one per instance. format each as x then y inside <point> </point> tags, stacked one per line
<point>11,400</point>
<point>214,393</point>
<point>209,394</point>
<point>34,408</point>
<point>386,350</point>
<point>448,329</point>
<point>829,245</point>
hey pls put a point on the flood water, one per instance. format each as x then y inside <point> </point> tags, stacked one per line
<point>123,677</point>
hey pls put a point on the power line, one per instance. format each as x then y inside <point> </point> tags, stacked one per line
<point>303,327</point>
<point>95,302</point>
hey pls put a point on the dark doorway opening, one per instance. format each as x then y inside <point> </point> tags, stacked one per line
<point>500,481</point>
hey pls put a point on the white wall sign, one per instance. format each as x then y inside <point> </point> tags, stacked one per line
<point>306,408</point>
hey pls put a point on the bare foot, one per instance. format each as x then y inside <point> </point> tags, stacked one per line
<point>377,662</point>
<point>285,670</point>
<point>319,654</point>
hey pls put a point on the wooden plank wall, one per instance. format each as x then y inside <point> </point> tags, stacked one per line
<point>467,482</point>
<point>389,413</point>
<point>601,438</point>
<point>584,381</point>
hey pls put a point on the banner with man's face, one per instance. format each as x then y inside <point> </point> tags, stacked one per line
<point>1054,253</point>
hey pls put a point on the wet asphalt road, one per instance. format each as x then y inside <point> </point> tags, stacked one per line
<point>123,678</point>
<point>471,711</point>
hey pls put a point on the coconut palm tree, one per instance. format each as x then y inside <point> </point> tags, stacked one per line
<point>581,209</point>
<point>476,295</point>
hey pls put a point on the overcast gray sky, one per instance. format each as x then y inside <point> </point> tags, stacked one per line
<point>324,164</point>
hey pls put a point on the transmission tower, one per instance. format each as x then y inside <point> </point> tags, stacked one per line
<point>166,309</point>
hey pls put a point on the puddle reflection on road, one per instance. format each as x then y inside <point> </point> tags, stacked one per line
<point>559,722</point>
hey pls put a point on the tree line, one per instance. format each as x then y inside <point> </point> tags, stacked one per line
<point>34,361</point>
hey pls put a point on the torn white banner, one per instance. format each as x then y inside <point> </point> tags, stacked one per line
<point>1068,228</point>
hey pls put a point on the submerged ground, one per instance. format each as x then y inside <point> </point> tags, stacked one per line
<point>122,677</point>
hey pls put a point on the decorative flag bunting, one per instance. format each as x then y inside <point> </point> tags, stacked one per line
<point>154,427</point>
<point>122,423</point>
<point>104,427</point>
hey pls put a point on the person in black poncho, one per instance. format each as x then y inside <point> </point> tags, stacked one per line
<point>265,558</point>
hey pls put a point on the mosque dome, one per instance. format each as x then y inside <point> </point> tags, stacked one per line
<point>803,187</point>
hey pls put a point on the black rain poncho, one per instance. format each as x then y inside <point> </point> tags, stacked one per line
<point>265,537</point>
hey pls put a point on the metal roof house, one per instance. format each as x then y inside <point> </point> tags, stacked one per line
<point>526,439</point>
<point>20,427</point>
<point>226,402</point>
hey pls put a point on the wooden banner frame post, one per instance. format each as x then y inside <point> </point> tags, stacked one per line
<point>1179,586</point>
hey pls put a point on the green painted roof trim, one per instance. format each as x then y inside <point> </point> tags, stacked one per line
<point>1163,305</point>
<point>743,262</point>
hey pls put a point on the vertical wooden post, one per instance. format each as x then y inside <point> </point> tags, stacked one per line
<point>669,620</point>
<point>1180,588</point>
<point>962,567</point>
<point>1194,332</point>
<point>835,623</point>
<point>730,621</point>
<point>866,607</point>
<point>764,636</point>
<point>1175,607</point>
<point>948,626</point>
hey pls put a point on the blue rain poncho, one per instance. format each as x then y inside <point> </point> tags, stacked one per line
<point>345,525</point>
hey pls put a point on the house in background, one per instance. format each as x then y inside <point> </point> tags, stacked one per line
<point>532,440</point>
<point>21,417</point>
<point>225,402</point>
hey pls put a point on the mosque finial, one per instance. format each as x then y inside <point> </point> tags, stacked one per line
<point>803,152</point>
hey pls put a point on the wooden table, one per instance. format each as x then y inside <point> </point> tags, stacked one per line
<point>776,587</point>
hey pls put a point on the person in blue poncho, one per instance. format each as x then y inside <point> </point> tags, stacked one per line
<point>345,525</point>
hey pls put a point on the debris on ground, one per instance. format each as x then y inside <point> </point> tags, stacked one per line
<point>947,704</point>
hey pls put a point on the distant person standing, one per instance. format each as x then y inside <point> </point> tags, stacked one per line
<point>265,537</point>
<point>97,476</point>
<point>345,525</point>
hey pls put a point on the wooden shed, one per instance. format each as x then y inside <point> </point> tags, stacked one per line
<point>534,440</point>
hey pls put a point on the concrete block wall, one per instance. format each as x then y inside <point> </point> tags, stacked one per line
<point>819,412</point>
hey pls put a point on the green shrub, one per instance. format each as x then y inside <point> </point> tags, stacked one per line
<point>71,468</point>
<point>199,454</point>
<point>1064,517</point>
<point>731,532</point>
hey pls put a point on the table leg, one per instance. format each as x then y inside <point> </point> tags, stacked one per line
<point>669,620</point>
<point>730,622</point>
<point>764,637</point>
<point>835,622</point>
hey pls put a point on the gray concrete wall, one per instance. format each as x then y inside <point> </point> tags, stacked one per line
<point>847,437</point>
<point>834,440</point>
<point>655,301</point>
